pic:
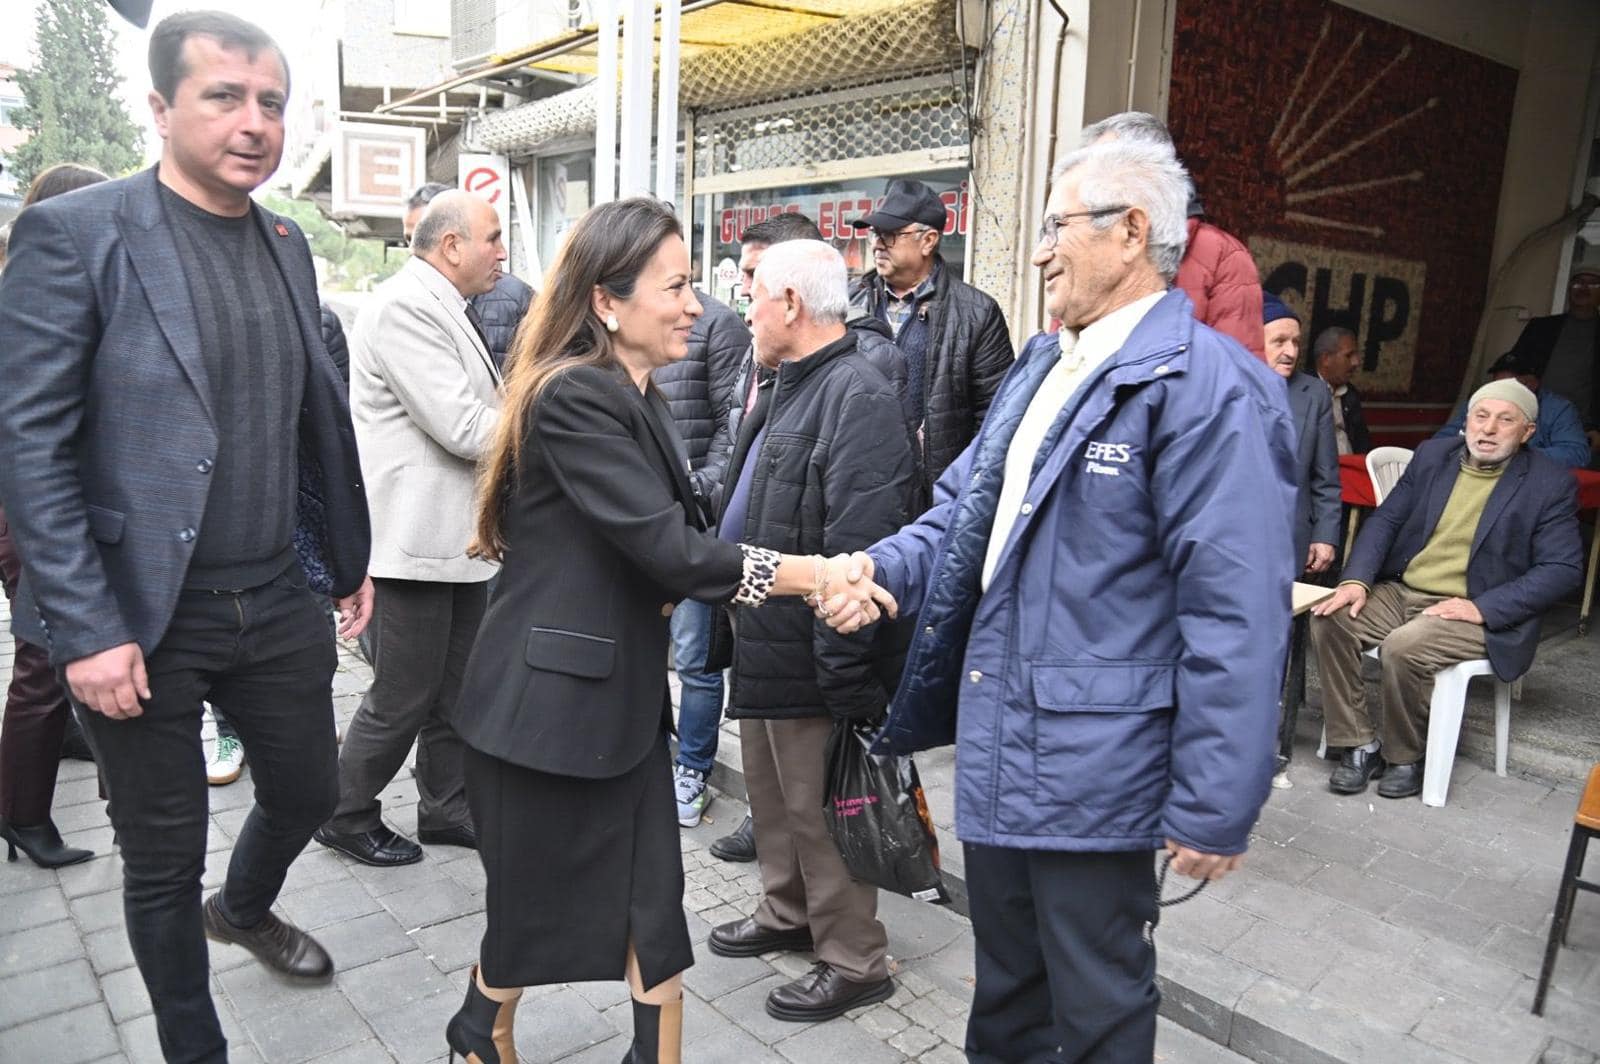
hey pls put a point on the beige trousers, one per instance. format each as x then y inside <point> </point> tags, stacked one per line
<point>803,879</point>
<point>1414,648</point>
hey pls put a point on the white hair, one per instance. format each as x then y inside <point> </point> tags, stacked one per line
<point>1137,126</point>
<point>814,271</point>
<point>1132,173</point>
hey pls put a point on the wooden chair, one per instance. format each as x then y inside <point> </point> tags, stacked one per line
<point>1585,825</point>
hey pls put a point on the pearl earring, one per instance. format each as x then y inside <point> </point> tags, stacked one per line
<point>611,323</point>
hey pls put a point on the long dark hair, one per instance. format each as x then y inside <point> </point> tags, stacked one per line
<point>62,177</point>
<point>608,248</point>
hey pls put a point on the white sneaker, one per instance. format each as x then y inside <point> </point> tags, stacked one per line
<point>689,787</point>
<point>227,761</point>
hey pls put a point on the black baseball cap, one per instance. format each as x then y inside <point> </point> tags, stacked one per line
<point>905,202</point>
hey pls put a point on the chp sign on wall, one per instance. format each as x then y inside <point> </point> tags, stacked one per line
<point>489,176</point>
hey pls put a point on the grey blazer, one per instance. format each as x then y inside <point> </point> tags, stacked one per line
<point>106,429</point>
<point>425,396</point>
<point>1316,505</point>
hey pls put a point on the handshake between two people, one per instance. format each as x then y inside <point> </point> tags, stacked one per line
<point>845,597</point>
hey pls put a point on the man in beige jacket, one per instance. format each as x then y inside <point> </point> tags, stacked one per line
<point>425,397</point>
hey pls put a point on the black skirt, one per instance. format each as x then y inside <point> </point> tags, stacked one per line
<point>576,869</point>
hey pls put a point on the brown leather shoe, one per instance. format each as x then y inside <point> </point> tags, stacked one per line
<point>746,938</point>
<point>823,993</point>
<point>280,946</point>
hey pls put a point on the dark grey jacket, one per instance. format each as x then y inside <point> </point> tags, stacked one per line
<point>106,434</point>
<point>1316,507</point>
<point>700,387</point>
<point>969,351</point>
<point>501,309</point>
<point>834,474</point>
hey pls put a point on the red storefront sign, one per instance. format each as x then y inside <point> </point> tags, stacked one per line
<point>834,213</point>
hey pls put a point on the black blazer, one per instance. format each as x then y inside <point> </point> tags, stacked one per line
<point>106,430</point>
<point>1526,552</point>
<point>1537,343</point>
<point>569,672</point>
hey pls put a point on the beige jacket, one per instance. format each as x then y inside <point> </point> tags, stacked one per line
<point>425,397</point>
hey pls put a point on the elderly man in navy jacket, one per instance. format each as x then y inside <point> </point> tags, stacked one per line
<point>1475,542</point>
<point>1102,591</point>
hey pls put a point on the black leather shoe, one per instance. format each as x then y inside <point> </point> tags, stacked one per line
<point>463,835</point>
<point>739,847</point>
<point>380,847</point>
<point>42,843</point>
<point>746,938</point>
<point>1356,769</point>
<point>282,947</point>
<point>1401,781</point>
<point>822,994</point>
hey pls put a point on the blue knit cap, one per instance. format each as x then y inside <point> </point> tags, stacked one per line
<point>1273,308</point>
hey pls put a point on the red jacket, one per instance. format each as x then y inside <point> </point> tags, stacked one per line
<point>1221,280</point>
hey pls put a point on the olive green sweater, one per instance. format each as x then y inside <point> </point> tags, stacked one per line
<point>1440,567</point>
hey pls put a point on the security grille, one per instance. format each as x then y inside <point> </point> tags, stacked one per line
<point>804,130</point>
<point>472,28</point>
<point>826,81</point>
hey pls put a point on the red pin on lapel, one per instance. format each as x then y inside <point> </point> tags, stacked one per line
<point>282,229</point>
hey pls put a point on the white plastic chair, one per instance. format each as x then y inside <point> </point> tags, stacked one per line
<point>1384,466</point>
<point>1446,707</point>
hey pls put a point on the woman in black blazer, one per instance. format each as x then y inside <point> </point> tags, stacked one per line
<point>586,502</point>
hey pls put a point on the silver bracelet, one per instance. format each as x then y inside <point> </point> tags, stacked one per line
<point>760,573</point>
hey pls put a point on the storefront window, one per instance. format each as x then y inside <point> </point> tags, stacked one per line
<point>833,206</point>
<point>564,195</point>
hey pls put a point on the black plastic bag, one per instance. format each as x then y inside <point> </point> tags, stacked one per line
<point>878,817</point>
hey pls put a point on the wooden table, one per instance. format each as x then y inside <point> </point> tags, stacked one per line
<point>1356,490</point>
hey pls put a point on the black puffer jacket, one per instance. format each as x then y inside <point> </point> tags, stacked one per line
<point>700,388</point>
<point>501,309</point>
<point>877,346</point>
<point>333,339</point>
<point>834,474</point>
<point>969,351</point>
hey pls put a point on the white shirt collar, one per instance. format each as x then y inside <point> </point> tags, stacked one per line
<point>1103,337</point>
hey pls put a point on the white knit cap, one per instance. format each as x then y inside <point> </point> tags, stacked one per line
<point>1512,391</point>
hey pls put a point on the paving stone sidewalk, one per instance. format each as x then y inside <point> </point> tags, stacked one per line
<point>404,940</point>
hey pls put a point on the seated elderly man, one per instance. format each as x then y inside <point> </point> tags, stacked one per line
<point>1559,435</point>
<point>1477,540</point>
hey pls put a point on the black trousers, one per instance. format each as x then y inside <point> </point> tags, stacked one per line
<point>35,718</point>
<point>422,633</point>
<point>1064,974</point>
<point>265,658</point>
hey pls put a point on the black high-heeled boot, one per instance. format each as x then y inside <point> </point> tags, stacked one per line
<point>482,1031</point>
<point>657,1034</point>
<point>42,843</point>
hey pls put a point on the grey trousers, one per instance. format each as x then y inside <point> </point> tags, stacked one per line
<point>422,633</point>
<point>1413,649</point>
<point>803,879</point>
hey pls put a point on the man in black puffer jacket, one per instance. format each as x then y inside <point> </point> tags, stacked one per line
<point>953,336</point>
<point>499,310</point>
<point>822,464</point>
<point>697,388</point>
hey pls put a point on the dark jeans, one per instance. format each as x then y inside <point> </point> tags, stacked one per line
<point>265,658</point>
<point>422,632</point>
<point>700,705</point>
<point>1064,975</point>
<point>35,720</point>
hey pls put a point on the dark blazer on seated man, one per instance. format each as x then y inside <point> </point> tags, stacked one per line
<point>1526,552</point>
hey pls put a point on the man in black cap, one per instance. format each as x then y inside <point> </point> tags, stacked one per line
<point>1560,434</point>
<point>953,336</point>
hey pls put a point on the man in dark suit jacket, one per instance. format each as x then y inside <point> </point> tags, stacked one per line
<point>1475,542</point>
<point>1563,350</point>
<point>172,429</point>
<point>1336,358</point>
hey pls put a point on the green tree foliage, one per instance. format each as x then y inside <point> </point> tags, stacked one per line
<point>75,112</point>
<point>347,265</point>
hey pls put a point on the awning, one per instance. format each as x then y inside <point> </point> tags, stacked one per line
<point>706,26</point>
